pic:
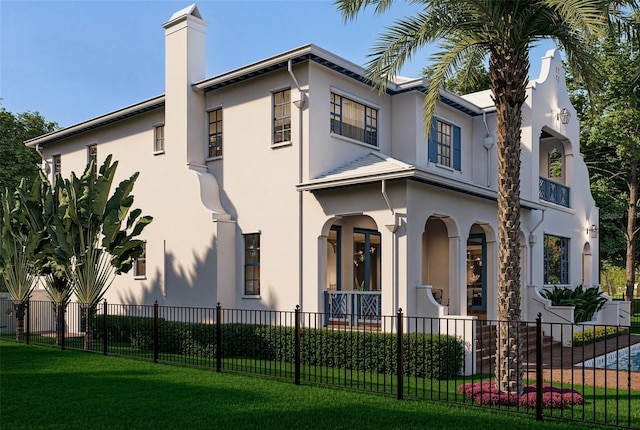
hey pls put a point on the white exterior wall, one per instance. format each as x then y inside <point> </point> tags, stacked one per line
<point>202,207</point>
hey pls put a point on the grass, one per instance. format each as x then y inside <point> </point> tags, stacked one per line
<point>46,388</point>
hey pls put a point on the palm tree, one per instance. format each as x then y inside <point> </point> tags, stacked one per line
<point>17,246</point>
<point>469,30</point>
<point>94,232</point>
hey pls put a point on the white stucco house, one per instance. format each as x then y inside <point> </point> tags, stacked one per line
<point>291,182</point>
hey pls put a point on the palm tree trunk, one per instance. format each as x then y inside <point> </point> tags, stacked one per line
<point>88,311</point>
<point>61,309</point>
<point>20,311</point>
<point>508,73</point>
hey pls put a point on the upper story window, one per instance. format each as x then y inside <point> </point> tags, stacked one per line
<point>556,260</point>
<point>215,133</point>
<point>252,264</point>
<point>57,165</point>
<point>140,266</point>
<point>158,139</point>
<point>444,144</point>
<point>92,154</point>
<point>282,116</point>
<point>354,120</point>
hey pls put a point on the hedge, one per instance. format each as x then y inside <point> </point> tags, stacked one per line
<point>425,355</point>
<point>596,334</point>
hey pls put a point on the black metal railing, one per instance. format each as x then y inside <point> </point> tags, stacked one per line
<point>569,372</point>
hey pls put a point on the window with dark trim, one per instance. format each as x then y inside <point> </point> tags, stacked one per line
<point>57,165</point>
<point>354,120</point>
<point>92,154</point>
<point>140,266</point>
<point>282,116</point>
<point>215,133</point>
<point>252,264</point>
<point>444,144</point>
<point>158,139</point>
<point>556,260</point>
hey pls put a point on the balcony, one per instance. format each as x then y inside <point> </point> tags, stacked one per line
<point>554,192</point>
<point>352,308</point>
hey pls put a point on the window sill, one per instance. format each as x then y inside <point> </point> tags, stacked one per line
<point>444,167</point>
<point>281,145</point>
<point>251,297</point>
<point>158,152</point>
<point>350,140</point>
<point>139,277</point>
<point>219,157</point>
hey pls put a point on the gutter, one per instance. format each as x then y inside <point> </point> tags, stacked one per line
<point>47,168</point>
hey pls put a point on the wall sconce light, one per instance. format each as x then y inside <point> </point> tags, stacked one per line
<point>564,116</point>
<point>592,231</point>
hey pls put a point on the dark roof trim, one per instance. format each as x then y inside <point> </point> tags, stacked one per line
<point>101,121</point>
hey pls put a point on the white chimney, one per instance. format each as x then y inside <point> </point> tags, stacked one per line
<point>185,59</point>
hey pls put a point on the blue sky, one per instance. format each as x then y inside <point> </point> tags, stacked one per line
<point>74,60</point>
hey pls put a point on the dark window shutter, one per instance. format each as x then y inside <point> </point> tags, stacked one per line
<point>433,143</point>
<point>456,148</point>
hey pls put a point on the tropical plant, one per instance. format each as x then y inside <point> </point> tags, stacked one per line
<point>16,255</point>
<point>94,236</point>
<point>505,31</point>
<point>38,205</point>
<point>587,301</point>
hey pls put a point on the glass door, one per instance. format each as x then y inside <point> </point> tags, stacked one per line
<point>366,260</point>
<point>476,272</point>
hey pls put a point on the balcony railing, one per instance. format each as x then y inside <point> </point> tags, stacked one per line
<point>554,192</point>
<point>352,308</point>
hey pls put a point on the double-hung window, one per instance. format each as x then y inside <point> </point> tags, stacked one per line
<point>252,264</point>
<point>215,133</point>
<point>556,260</point>
<point>57,165</point>
<point>92,154</point>
<point>158,139</point>
<point>140,267</point>
<point>354,120</point>
<point>444,144</point>
<point>282,116</point>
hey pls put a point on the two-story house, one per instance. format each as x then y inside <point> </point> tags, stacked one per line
<point>290,181</point>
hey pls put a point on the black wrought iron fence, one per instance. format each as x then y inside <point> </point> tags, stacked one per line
<point>582,372</point>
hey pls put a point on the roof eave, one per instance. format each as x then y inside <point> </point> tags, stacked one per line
<point>118,115</point>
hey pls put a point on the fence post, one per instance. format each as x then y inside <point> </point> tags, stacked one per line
<point>539,367</point>
<point>297,345</point>
<point>155,332</point>
<point>400,356</point>
<point>218,338</point>
<point>27,313</point>
<point>105,330</point>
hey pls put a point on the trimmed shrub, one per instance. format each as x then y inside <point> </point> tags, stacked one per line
<point>425,355</point>
<point>596,334</point>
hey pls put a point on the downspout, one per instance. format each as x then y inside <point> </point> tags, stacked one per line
<point>47,168</point>
<point>488,143</point>
<point>532,241</point>
<point>300,103</point>
<point>386,197</point>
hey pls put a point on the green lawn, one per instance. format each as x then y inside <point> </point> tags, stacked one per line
<point>46,388</point>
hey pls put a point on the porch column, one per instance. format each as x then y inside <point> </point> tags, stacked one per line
<point>457,268</point>
<point>492,279</point>
<point>322,272</point>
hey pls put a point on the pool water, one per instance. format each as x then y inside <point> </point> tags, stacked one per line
<point>622,359</point>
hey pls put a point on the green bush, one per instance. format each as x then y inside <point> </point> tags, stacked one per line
<point>596,334</point>
<point>586,301</point>
<point>425,355</point>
